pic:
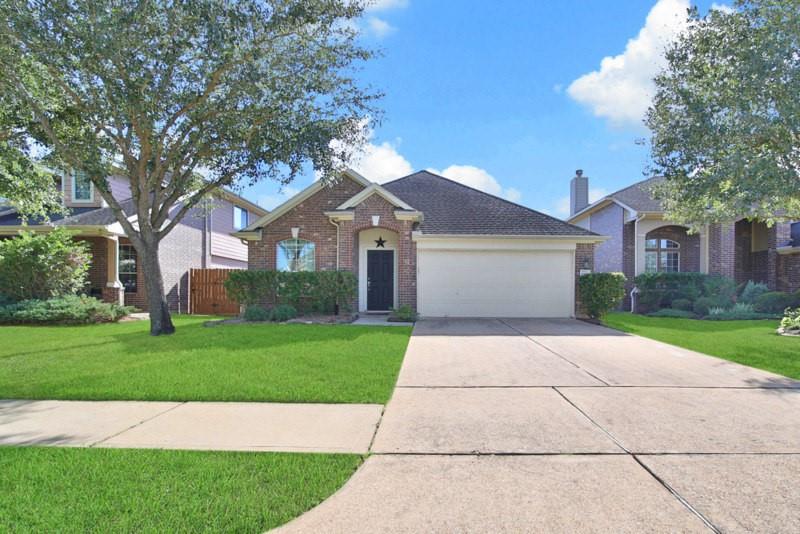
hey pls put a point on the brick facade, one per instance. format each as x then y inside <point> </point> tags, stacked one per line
<point>309,216</point>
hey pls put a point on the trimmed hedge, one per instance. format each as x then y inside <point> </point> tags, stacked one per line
<point>318,291</point>
<point>776,302</point>
<point>69,310</point>
<point>601,292</point>
<point>660,290</point>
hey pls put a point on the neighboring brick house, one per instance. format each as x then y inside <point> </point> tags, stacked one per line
<point>642,240</point>
<point>427,242</point>
<point>201,240</point>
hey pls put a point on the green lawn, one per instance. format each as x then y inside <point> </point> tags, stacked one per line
<point>752,343</point>
<point>247,362</point>
<point>46,489</point>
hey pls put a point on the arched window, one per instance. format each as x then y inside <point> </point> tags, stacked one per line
<point>295,255</point>
<point>662,255</point>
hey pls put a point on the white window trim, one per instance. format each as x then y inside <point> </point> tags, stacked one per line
<point>659,250</point>
<point>81,200</point>
<point>278,247</point>
<point>236,223</point>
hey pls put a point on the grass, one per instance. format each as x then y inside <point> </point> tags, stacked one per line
<point>752,343</point>
<point>46,489</point>
<point>246,362</point>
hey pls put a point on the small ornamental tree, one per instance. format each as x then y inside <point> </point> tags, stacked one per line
<point>163,92</point>
<point>42,266</point>
<point>601,292</point>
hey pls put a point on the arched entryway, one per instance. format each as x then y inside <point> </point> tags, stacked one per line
<point>377,269</point>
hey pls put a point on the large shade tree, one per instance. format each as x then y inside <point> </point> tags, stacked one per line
<point>725,120</point>
<point>184,97</point>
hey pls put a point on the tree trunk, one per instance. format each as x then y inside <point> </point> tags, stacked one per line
<point>160,319</point>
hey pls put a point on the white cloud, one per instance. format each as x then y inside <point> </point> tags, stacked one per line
<point>480,179</point>
<point>270,202</point>
<point>381,163</point>
<point>561,206</point>
<point>622,88</point>
<point>379,27</point>
<point>722,7</point>
<point>383,5</point>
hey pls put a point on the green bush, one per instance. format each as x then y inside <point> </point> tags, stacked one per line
<point>283,312</point>
<point>738,312</point>
<point>703,305</point>
<point>752,290</point>
<point>319,291</point>
<point>682,304</point>
<point>791,320</point>
<point>672,312</point>
<point>658,290</point>
<point>257,313</point>
<point>404,314</point>
<point>63,310</point>
<point>601,292</point>
<point>776,301</point>
<point>42,266</point>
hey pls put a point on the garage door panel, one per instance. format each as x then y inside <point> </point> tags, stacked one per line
<point>467,283</point>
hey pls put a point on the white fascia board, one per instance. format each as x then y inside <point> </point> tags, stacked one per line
<point>248,236</point>
<point>374,189</point>
<point>306,193</point>
<point>500,242</point>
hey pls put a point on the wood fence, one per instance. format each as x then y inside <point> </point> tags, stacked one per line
<point>207,293</point>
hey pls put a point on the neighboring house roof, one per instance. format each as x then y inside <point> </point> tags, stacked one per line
<point>637,197</point>
<point>452,208</point>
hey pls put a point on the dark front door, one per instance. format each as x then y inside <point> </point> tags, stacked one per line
<point>380,279</point>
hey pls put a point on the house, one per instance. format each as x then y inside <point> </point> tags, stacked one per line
<point>430,243</point>
<point>642,239</point>
<point>201,240</point>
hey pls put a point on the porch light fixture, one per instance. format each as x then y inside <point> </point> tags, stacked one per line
<point>376,220</point>
<point>295,232</point>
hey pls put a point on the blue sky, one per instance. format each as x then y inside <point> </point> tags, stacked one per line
<point>511,96</point>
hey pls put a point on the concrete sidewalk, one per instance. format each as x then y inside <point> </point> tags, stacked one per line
<point>240,426</point>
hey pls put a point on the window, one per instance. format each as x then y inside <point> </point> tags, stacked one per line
<point>127,267</point>
<point>295,255</point>
<point>662,255</point>
<point>239,218</point>
<point>82,190</point>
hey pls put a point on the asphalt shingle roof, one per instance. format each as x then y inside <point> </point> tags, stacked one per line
<point>639,196</point>
<point>449,207</point>
<point>75,217</point>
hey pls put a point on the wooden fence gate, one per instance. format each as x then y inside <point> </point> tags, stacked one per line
<point>208,296</point>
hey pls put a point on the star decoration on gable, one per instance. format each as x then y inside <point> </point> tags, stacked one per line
<point>380,242</point>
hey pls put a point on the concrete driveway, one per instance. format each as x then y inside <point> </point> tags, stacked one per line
<point>562,426</point>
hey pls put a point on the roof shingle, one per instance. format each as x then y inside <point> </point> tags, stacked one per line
<point>453,208</point>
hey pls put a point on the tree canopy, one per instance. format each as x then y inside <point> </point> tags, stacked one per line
<point>183,97</point>
<point>725,119</point>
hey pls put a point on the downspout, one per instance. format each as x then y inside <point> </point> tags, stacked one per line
<point>337,241</point>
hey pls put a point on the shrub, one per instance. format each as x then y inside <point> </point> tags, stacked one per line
<point>672,312</point>
<point>63,310</point>
<point>738,312</point>
<point>791,320</point>
<point>319,291</point>
<point>721,289</point>
<point>42,266</point>
<point>257,313</point>
<point>682,304</point>
<point>283,312</point>
<point>776,301</point>
<point>601,292</point>
<point>703,305</point>
<point>404,313</point>
<point>752,290</point>
<point>658,290</point>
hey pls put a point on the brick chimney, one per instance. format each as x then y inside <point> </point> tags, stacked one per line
<point>578,192</point>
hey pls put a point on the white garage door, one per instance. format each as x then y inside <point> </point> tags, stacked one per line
<point>499,283</point>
